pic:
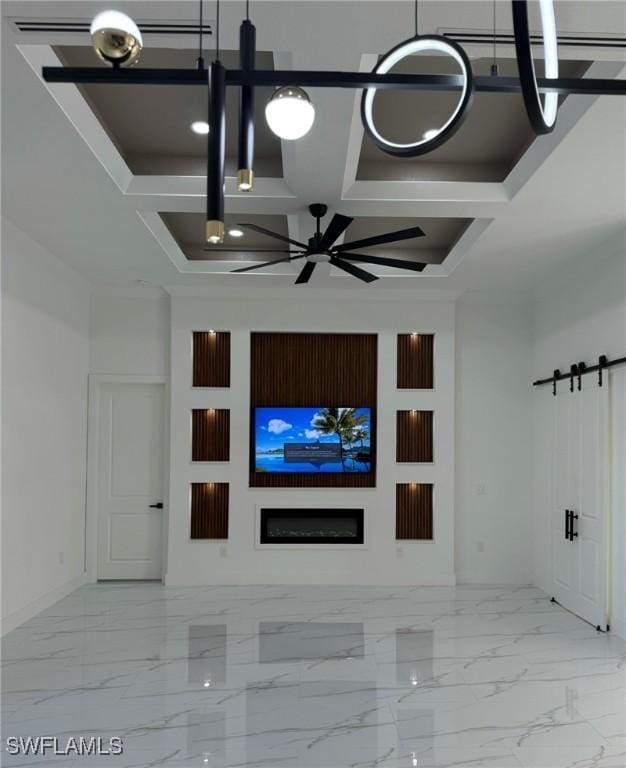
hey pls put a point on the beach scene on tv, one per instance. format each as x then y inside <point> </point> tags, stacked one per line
<point>316,440</point>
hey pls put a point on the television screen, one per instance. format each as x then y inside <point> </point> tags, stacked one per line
<point>316,440</point>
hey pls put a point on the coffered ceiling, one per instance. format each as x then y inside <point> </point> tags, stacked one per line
<point>149,125</point>
<point>112,180</point>
<point>490,142</point>
<point>440,235</point>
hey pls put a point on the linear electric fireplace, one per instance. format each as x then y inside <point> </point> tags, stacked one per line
<point>312,526</point>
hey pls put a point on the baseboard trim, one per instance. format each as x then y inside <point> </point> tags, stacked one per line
<point>303,580</point>
<point>618,628</point>
<point>13,620</point>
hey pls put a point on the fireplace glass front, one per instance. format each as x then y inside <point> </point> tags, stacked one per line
<point>312,526</point>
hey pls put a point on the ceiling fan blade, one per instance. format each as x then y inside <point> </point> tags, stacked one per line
<point>415,266</point>
<point>267,264</point>
<point>275,235</point>
<point>390,237</point>
<point>248,250</point>
<point>337,227</point>
<point>306,272</point>
<point>367,277</point>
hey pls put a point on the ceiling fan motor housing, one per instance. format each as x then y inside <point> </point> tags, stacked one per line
<point>316,255</point>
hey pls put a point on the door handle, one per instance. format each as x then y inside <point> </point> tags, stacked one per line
<point>572,535</point>
<point>567,524</point>
<point>158,505</point>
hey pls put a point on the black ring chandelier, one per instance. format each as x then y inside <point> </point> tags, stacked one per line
<point>542,117</point>
<point>430,140</point>
<point>118,41</point>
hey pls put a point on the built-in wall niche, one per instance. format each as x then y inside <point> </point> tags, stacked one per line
<point>415,361</point>
<point>210,434</point>
<point>414,511</point>
<point>211,358</point>
<point>414,436</point>
<point>209,510</point>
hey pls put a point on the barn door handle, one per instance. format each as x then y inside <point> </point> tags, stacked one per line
<point>567,523</point>
<point>572,535</point>
<point>158,505</point>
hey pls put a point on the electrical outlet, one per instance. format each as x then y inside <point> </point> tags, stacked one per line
<point>480,546</point>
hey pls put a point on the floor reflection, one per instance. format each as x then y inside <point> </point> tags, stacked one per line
<point>206,656</point>
<point>414,656</point>
<point>318,677</point>
<point>299,641</point>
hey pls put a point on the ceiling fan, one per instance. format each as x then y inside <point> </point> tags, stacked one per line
<point>321,248</point>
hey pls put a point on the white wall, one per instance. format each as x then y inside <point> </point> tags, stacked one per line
<point>130,334</point>
<point>45,356</point>
<point>493,441</point>
<point>237,561</point>
<point>578,315</point>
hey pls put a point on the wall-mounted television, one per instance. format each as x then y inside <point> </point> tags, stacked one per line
<point>313,440</point>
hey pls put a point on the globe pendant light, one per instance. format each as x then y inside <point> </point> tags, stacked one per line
<point>290,113</point>
<point>116,38</point>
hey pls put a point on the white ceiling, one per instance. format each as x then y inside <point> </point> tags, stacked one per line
<point>65,183</point>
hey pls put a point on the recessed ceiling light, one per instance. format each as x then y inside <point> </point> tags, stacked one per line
<point>200,127</point>
<point>430,134</point>
<point>235,232</point>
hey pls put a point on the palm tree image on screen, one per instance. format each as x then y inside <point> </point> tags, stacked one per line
<point>349,427</point>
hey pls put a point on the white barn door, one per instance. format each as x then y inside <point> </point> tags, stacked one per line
<point>580,500</point>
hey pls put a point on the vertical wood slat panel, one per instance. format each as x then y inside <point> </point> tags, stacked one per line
<point>314,369</point>
<point>209,510</point>
<point>414,436</point>
<point>415,361</point>
<point>211,359</point>
<point>302,369</point>
<point>210,434</point>
<point>414,511</point>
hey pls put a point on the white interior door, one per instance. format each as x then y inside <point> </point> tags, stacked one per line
<point>130,481</point>
<point>580,486</point>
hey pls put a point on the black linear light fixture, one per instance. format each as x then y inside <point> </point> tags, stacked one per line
<point>117,40</point>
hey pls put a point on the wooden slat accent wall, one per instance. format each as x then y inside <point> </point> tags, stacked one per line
<point>209,510</point>
<point>414,436</point>
<point>211,359</point>
<point>415,361</point>
<point>210,434</point>
<point>414,511</point>
<point>313,369</point>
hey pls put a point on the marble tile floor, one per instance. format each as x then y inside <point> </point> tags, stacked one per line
<point>316,677</point>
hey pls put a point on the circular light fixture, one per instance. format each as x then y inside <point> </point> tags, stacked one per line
<point>290,113</point>
<point>434,137</point>
<point>235,232</point>
<point>542,116</point>
<point>116,38</point>
<point>200,127</point>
